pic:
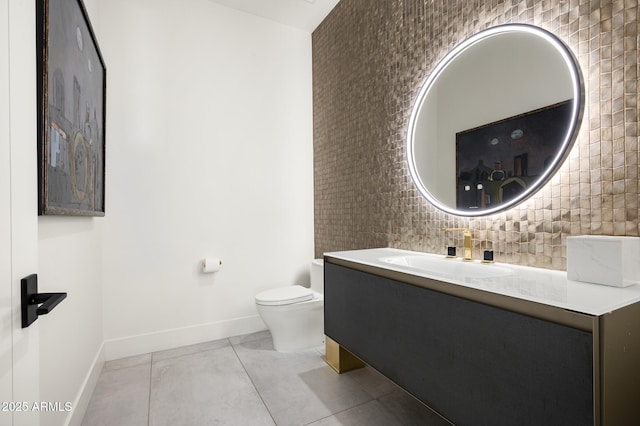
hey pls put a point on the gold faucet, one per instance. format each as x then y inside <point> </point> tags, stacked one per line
<point>468,246</point>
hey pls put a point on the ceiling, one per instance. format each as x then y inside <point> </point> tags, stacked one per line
<point>302,14</point>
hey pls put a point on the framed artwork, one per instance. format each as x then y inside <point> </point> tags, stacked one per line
<point>71,111</point>
<point>498,161</point>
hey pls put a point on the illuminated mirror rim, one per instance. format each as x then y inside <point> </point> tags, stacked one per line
<point>569,138</point>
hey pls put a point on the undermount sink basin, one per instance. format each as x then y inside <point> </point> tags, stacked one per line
<point>450,268</point>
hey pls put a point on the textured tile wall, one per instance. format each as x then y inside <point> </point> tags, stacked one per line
<point>370,58</point>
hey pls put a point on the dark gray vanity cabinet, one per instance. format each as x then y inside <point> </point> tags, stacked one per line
<point>474,363</point>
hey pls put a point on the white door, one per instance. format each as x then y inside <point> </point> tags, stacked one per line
<point>19,348</point>
<point>6,367</point>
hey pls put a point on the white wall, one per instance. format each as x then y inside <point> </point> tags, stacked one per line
<point>209,153</point>
<point>71,337</point>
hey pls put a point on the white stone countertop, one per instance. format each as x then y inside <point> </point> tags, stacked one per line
<point>539,285</point>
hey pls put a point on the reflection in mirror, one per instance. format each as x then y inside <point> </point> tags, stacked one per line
<point>494,120</point>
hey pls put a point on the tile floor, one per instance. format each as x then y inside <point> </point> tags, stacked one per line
<point>244,381</point>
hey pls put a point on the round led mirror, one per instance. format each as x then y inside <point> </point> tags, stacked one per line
<point>495,119</point>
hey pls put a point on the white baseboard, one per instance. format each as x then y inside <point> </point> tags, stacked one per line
<point>86,390</point>
<point>173,338</point>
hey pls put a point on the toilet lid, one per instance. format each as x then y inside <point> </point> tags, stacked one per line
<point>284,295</point>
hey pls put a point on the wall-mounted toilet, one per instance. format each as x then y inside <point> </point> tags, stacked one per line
<point>295,314</point>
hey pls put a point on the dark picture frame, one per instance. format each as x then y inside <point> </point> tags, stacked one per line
<point>71,92</point>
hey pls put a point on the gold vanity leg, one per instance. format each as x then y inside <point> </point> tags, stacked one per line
<point>340,359</point>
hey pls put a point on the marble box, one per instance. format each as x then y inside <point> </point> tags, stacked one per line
<point>607,260</point>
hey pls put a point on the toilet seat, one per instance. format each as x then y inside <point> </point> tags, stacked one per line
<point>284,296</point>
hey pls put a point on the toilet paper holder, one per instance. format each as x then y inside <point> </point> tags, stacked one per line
<point>34,303</point>
<point>211,264</point>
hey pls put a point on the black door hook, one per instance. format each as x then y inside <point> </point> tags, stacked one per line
<point>34,303</point>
